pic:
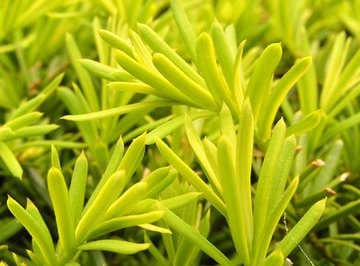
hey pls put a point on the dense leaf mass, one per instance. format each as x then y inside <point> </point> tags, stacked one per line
<point>179,132</point>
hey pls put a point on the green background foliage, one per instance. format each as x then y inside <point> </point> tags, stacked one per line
<point>179,132</point>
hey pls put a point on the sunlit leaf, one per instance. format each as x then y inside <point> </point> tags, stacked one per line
<point>125,221</point>
<point>301,229</point>
<point>117,111</point>
<point>243,166</point>
<point>84,77</point>
<point>61,205</point>
<point>10,160</point>
<point>32,226</point>
<point>277,95</point>
<point>190,175</point>
<point>193,235</point>
<point>180,201</point>
<point>118,246</point>
<point>231,194</point>
<point>214,79</point>
<point>78,186</point>
<point>155,228</point>
<point>258,89</point>
<point>262,199</point>
<point>306,124</point>
<point>184,83</point>
<point>95,212</point>
<point>184,26</point>
<point>274,259</point>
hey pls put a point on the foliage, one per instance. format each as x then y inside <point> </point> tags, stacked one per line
<point>186,132</point>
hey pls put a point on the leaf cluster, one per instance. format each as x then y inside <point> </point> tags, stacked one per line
<point>179,132</point>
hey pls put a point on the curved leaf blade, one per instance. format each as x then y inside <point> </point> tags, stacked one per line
<point>118,246</point>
